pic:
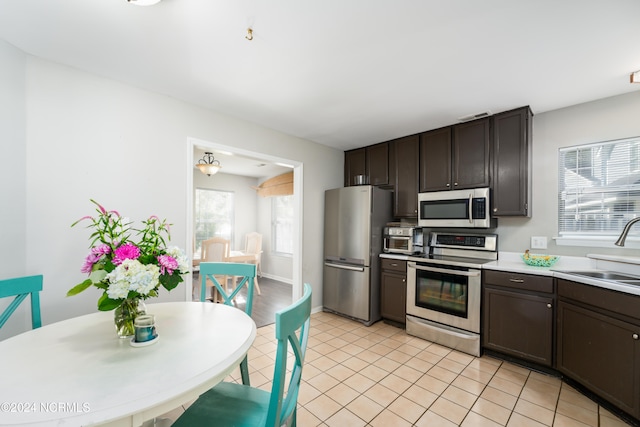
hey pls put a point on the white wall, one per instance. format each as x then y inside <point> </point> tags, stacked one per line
<point>13,172</point>
<point>602,120</point>
<point>89,137</point>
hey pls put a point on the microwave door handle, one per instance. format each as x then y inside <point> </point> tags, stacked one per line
<point>471,273</point>
<point>470,208</point>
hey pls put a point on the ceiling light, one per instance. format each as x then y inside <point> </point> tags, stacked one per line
<point>143,2</point>
<point>208,164</point>
<point>634,77</point>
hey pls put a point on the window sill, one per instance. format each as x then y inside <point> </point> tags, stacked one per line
<point>598,242</point>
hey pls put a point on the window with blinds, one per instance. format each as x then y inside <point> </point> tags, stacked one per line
<point>599,188</point>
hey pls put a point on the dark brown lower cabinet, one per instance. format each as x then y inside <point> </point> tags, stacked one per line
<point>519,316</point>
<point>393,292</point>
<point>600,350</point>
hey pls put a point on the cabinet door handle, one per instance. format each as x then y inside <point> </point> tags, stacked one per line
<point>549,305</point>
<point>635,336</point>
<point>495,209</point>
<point>393,264</point>
<point>516,280</point>
<point>405,281</point>
<point>448,185</point>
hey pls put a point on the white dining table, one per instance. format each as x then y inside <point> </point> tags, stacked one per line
<point>77,372</point>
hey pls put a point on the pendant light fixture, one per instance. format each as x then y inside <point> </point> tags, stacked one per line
<point>208,164</point>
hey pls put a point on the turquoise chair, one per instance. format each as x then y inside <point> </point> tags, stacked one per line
<point>247,274</point>
<point>231,404</point>
<point>20,288</point>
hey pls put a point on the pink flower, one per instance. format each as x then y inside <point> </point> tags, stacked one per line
<point>103,210</point>
<point>101,250</point>
<point>126,251</point>
<point>89,261</point>
<point>167,264</point>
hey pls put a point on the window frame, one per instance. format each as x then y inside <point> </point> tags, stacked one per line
<point>602,187</point>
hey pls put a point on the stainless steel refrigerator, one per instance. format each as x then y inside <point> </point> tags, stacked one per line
<point>354,218</point>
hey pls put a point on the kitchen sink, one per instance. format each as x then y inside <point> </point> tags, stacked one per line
<point>608,275</point>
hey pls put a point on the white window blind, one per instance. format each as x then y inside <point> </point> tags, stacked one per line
<point>599,188</point>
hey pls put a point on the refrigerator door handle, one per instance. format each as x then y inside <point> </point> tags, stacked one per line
<point>344,267</point>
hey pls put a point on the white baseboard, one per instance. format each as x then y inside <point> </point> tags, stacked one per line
<point>279,279</point>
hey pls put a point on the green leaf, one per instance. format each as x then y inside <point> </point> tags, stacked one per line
<point>170,282</point>
<point>106,304</point>
<point>79,288</point>
<point>97,276</point>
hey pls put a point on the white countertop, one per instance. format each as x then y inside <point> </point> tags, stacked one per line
<point>511,262</point>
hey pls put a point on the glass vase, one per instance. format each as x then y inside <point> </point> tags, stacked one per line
<point>125,314</point>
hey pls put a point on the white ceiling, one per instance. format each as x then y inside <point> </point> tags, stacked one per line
<point>344,73</point>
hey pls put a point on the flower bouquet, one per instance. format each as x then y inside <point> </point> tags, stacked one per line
<point>129,271</point>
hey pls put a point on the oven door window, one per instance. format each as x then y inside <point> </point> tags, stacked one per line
<point>398,243</point>
<point>446,293</point>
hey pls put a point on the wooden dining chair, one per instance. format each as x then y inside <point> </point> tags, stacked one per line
<point>253,246</point>
<point>243,274</point>
<point>215,249</point>
<point>20,288</point>
<point>231,404</point>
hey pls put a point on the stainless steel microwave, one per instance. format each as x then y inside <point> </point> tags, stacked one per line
<point>456,208</point>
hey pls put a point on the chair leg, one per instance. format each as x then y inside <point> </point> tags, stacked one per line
<point>244,371</point>
<point>255,282</point>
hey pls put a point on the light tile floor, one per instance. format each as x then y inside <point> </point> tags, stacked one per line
<point>379,376</point>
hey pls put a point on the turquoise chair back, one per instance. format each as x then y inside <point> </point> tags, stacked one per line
<point>282,409</point>
<point>247,274</point>
<point>229,404</point>
<point>20,288</point>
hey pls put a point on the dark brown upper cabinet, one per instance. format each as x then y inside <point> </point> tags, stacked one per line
<point>455,157</point>
<point>355,163</point>
<point>435,160</point>
<point>378,164</point>
<point>371,161</point>
<point>406,162</point>
<point>512,163</point>
<point>471,155</point>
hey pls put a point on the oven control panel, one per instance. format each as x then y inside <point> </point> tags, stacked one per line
<point>486,242</point>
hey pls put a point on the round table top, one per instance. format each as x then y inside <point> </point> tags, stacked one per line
<point>78,372</point>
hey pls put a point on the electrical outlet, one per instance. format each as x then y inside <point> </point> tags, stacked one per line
<point>538,242</point>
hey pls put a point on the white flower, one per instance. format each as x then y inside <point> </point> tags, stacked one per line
<point>180,257</point>
<point>131,275</point>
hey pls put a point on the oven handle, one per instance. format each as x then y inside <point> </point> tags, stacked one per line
<point>470,273</point>
<point>470,208</point>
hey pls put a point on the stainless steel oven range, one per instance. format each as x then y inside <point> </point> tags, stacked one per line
<point>443,289</point>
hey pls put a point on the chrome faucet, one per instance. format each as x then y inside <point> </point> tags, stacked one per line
<point>625,231</point>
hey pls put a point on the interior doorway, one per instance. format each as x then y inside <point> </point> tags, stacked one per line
<point>195,145</point>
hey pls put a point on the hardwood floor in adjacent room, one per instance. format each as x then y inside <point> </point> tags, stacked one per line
<point>275,295</point>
